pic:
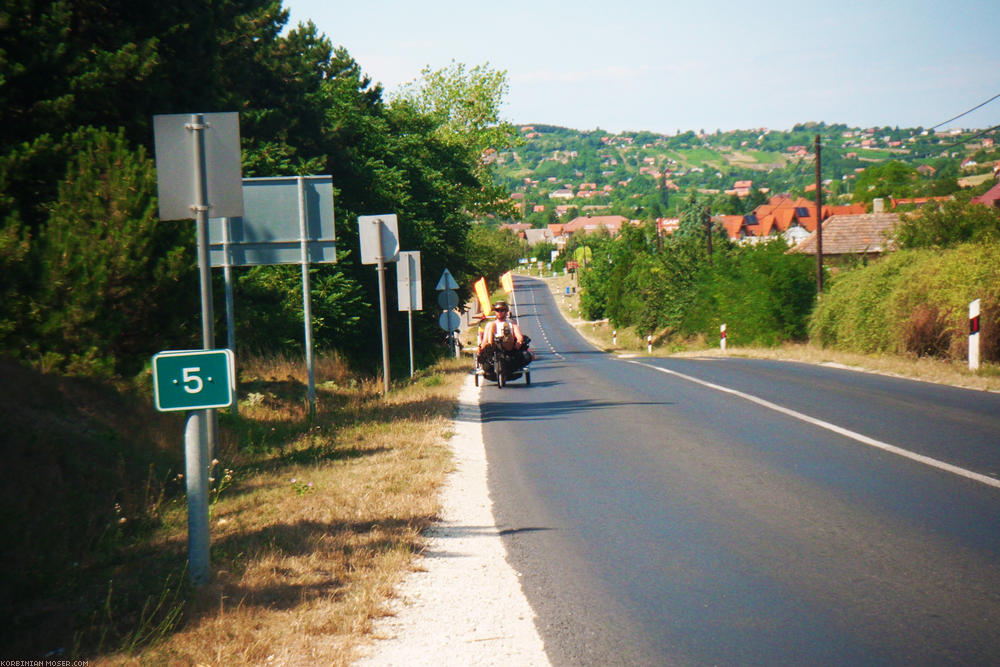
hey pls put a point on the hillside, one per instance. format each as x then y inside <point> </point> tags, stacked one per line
<point>559,172</point>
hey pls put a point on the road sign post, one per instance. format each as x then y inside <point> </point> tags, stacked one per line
<point>193,379</point>
<point>380,244</point>
<point>196,381</point>
<point>409,290</point>
<point>198,174</point>
<point>449,320</point>
<point>288,220</point>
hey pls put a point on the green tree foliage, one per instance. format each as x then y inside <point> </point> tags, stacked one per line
<point>761,292</point>
<point>946,225</point>
<point>75,288</point>
<point>891,179</point>
<point>493,251</point>
<point>112,275</point>
<point>465,104</point>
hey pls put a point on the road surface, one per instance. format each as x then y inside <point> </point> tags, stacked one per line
<point>726,511</point>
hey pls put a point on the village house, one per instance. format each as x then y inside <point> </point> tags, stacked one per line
<point>588,224</point>
<point>781,215</point>
<point>667,225</point>
<point>863,234</point>
<point>919,201</point>
<point>989,198</point>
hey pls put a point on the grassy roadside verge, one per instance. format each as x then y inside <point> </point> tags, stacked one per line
<point>317,521</point>
<point>626,341</point>
<point>313,521</point>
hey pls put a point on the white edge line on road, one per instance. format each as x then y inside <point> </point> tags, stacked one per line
<point>878,444</point>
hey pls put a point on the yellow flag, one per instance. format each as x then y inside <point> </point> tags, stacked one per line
<point>507,282</point>
<point>483,295</point>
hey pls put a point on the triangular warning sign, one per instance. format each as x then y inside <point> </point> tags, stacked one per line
<point>446,282</point>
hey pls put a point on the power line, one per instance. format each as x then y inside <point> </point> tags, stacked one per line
<point>975,136</point>
<point>967,112</point>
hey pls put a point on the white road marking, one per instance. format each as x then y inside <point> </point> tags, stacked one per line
<point>878,444</point>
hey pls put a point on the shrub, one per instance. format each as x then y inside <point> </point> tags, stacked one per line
<point>926,333</point>
<point>762,293</point>
<point>913,301</point>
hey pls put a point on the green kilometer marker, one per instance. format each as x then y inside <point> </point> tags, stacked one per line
<point>193,379</point>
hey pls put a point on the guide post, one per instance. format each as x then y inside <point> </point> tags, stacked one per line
<point>198,172</point>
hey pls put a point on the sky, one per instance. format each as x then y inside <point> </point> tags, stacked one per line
<point>667,66</point>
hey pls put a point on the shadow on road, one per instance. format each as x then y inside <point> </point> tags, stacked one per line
<point>522,411</point>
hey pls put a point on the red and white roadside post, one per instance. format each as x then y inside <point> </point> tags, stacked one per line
<point>722,337</point>
<point>974,335</point>
<point>649,344</point>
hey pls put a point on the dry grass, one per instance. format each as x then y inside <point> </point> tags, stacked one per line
<point>320,521</point>
<point>602,335</point>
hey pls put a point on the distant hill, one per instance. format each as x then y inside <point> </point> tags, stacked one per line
<point>559,171</point>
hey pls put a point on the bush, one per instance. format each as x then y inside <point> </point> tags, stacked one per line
<point>763,294</point>
<point>926,333</point>
<point>914,302</point>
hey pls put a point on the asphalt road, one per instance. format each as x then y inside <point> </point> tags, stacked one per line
<point>744,512</point>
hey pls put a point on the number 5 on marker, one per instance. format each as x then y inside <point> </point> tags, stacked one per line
<point>193,379</point>
<point>189,376</point>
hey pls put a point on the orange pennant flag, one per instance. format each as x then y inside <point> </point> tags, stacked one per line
<point>507,282</point>
<point>483,295</point>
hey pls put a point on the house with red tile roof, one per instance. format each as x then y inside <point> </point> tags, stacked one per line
<point>919,201</point>
<point>518,228</point>
<point>792,218</point>
<point>588,224</point>
<point>989,198</point>
<point>866,234</point>
<point>735,226</point>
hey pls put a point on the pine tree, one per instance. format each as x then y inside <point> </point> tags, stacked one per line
<point>117,281</point>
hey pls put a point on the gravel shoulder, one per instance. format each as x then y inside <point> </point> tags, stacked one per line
<point>464,604</point>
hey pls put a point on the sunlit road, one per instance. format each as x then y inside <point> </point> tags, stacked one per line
<point>742,512</point>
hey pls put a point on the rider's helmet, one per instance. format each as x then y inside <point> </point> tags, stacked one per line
<point>501,305</point>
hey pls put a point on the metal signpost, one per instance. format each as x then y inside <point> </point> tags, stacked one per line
<point>288,220</point>
<point>409,290</point>
<point>380,244</point>
<point>195,380</point>
<point>198,174</point>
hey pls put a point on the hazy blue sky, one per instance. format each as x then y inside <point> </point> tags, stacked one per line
<point>665,66</point>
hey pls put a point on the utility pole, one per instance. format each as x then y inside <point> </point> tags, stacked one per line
<point>707,218</point>
<point>819,223</point>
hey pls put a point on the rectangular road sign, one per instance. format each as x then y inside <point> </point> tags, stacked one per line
<point>369,229</point>
<point>173,137</point>
<point>409,285</point>
<point>271,228</point>
<point>193,379</point>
